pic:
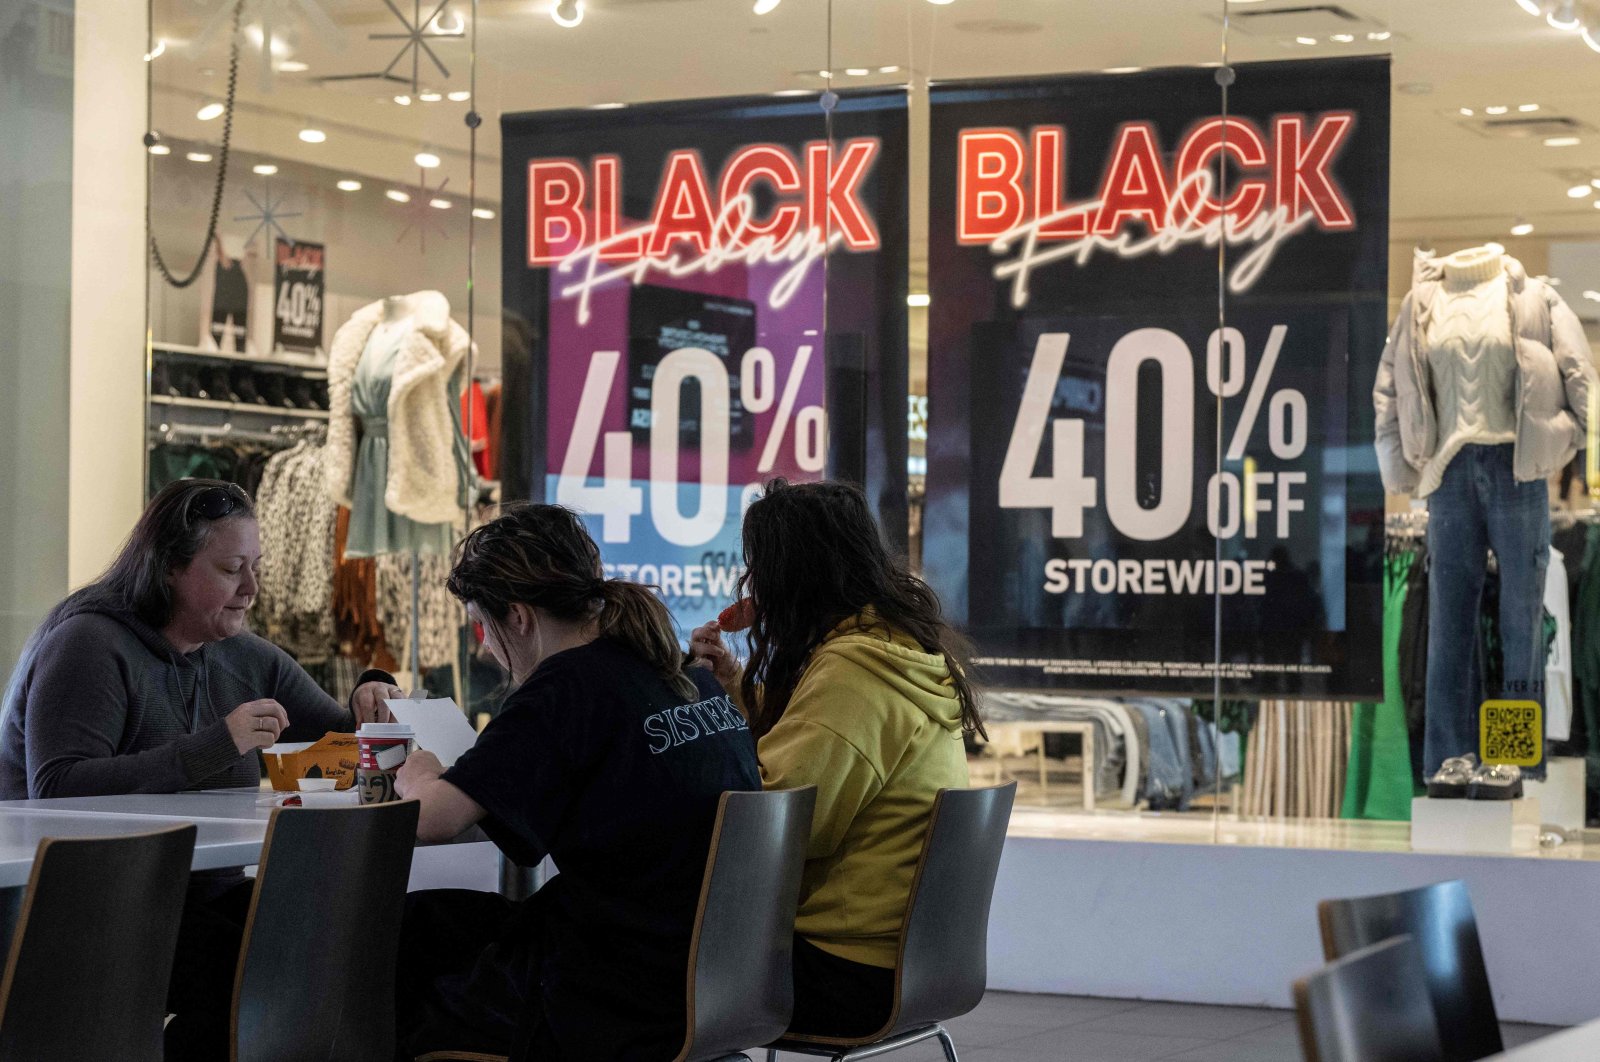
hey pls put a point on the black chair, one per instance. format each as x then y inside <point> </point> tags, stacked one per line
<point>317,970</point>
<point>93,948</point>
<point>1370,1006</point>
<point>1439,919</point>
<point>942,970</point>
<point>741,962</point>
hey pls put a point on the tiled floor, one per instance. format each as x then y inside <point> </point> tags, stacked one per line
<point>1010,1027</point>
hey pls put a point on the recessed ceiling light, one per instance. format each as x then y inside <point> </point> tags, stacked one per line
<point>1596,182</point>
<point>857,71</point>
<point>210,111</point>
<point>606,106</point>
<point>427,160</point>
<point>398,196</point>
<point>888,69</point>
<point>1495,110</point>
<point>1561,141</point>
<point>794,92</point>
<point>1343,38</point>
<point>1467,112</point>
<point>198,156</point>
<point>157,52</point>
<point>567,13</point>
<point>1379,35</point>
<point>940,3</point>
<point>1592,295</point>
<point>824,73</point>
<point>1579,191</point>
<point>349,186</point>
<point>313,136</point>
<point>1564,16</point>
<point>456,28</point>
<point>440,204</point>
<point>1527,108</point>
<point>265,169</point>
<point>1305,40</point>
<point>483,212</point>
<point>404,101</point>
<point>160,149</point>
<point>1522,228</point>
<point>293,66</point>
<point>461,96</point>
<point>764,7</point>
<point>430,97</point>
<point>919,299</point>
<point>1123,69</point>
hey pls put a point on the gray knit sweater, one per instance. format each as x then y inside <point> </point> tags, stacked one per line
<point>106,705</point>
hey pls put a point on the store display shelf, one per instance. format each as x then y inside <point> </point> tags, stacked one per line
<point>295,364</point>
<point>238,407</point>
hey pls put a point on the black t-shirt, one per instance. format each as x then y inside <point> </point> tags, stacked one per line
<point>598,763</point>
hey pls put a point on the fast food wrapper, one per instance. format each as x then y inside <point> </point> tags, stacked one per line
<point>334,756</point>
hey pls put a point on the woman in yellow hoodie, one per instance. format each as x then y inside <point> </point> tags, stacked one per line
<point>852,686</point>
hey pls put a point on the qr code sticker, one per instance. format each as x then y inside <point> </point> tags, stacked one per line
<point>1512,732</point>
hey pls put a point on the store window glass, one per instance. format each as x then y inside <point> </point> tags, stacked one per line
<point>36,108</point>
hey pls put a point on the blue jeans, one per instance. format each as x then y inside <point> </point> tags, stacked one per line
<point>1480,506</point>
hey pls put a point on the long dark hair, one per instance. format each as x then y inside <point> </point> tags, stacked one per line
<point>541,556</point>
<point>813,558</point>
<point>166,538</point>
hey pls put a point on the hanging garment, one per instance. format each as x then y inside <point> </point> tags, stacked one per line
<point>475,415</point>
<point>1378,783</point>
<point>294,603</point>
<point>1586,668</point>
<point>440,614</point>
<point>408,386</point>
<point>1558,667</point>
<point>491,401</point>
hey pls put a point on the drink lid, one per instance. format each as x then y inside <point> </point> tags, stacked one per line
<point>385,730</point>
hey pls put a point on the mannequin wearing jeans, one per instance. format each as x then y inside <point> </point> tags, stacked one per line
<point>1482,394</point>
<point>1477,507</point>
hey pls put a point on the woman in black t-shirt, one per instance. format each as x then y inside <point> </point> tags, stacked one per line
<point>608,757</point>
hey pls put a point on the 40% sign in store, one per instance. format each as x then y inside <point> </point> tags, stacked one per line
<point>617,499</point>
<point>1232,503</point>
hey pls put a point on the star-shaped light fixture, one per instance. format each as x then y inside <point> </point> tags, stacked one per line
<point>418,31</point>
<point>269,212</point>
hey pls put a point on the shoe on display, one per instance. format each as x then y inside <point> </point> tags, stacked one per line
<point>243,381</point>
<point>1454,775</point>
<point>1495,781</point>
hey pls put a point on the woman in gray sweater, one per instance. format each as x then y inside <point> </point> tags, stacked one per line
<point>146,681</point>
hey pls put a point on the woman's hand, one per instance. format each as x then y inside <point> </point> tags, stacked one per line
<point>256,724</point>
<point>420,768</point>
<point>706,649</point>
<point>368,702</point>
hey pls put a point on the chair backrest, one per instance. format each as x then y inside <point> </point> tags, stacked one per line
<point>317,970</point>
<point>1440,919</point>
<point>943,967</point>
<point>92,952</point>
<point>1370,1006</point>
<point>741,975</point>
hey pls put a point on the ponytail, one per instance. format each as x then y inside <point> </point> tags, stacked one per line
<point>634,616</point>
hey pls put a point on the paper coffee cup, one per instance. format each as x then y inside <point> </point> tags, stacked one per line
<point>382,748</point>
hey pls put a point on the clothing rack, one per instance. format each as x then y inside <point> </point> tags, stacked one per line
<point>279,435</point>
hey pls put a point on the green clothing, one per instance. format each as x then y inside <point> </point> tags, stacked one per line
<point>1378,782</point>
<point>875,724</point>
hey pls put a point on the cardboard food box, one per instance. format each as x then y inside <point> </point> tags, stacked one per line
<point>334,756</point>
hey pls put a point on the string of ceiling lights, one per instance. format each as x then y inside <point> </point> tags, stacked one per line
<point>1568,16</point>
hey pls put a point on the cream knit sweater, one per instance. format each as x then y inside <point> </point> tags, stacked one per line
<point>1471,362</point>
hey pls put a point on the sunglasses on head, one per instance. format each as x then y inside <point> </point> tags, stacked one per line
<point>214,503</point>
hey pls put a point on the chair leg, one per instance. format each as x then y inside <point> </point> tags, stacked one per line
<point>948,1045</point>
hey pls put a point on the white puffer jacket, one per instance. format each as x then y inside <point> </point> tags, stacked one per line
<point>1555,380</point>
<point>425,481</point>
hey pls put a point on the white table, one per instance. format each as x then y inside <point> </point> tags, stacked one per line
<point>1083,728</point>
<point>232,826</point>
<point>1578,1042</point>
<point>218,842</point>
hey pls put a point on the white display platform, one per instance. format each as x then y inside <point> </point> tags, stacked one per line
<point>1561,794</point>
<point>1492,827</point>
<point>1149,907</point>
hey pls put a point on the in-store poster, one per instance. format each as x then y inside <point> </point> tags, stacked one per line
<point>700,297</point>
<point>298,285</point>
<point>1088,519</point>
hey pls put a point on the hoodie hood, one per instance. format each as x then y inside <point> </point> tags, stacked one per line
<point>895,659</point>
<point>147,635</point>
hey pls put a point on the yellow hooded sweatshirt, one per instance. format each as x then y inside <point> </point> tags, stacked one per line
<point>875,725</point>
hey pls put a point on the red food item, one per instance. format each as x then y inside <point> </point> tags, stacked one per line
<point>738,616</point>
